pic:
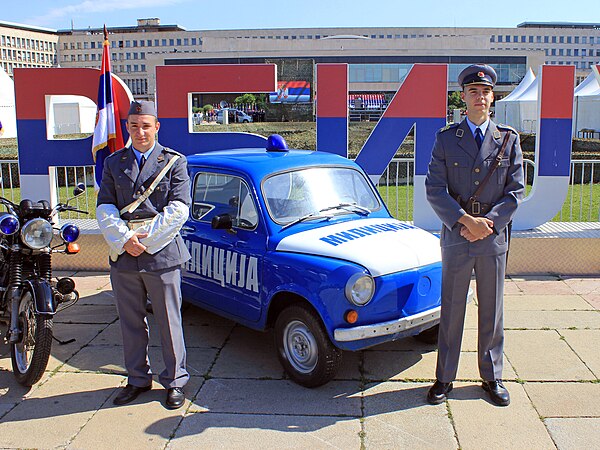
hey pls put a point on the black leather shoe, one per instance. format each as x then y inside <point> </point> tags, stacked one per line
<point>129,393</point>
<point>175,398</point>
<point>497,392</point>
<point>437,392</point>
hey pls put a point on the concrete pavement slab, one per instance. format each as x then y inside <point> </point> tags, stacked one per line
<point>244,431</point>
<point>57,411</point>
<point>543,286</point>
<point>480,424</point>
<point>96,298</point>
<point>97,359</point>
<point>398,416</point>
<point>565,399</point>
<point>417,366</point>
<point>574,434</point>
<point>143,424</point>
<point>88,314</point>
<point>551,319</point>
<point>336,398</point>
<point>511,287</point>
<point>248,354</point>
<point>194,315</point>
<point>12,392</point>
<point>83,335</point>
<point>586,344</point>
<point>545,303</point>
<point>350,369</point>
<point>587,285</point>
<point>199,360</point>
<point>592,299</point>
<point>206,335</point>
<point>539,355</point>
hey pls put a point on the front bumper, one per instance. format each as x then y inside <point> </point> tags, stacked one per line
<point>387,328</point>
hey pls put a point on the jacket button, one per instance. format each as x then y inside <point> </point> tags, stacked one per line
<point>476,182</point>
<point>477,170</point>
<point>456,164</point>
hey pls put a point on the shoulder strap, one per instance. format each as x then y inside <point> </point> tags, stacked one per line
<point>492,169</point>
<point>148,192</point>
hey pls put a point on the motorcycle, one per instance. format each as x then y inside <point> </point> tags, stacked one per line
<point>30,297</point>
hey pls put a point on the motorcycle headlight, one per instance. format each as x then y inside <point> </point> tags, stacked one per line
<point>69,233</point>
<point>37,233</point>
<point>9,224</point>
<point>360,289</point>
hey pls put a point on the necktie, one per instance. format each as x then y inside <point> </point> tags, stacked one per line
<point>478,137</point>
<point>142,161</point>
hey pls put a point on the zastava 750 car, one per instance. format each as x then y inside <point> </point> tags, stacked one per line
<point>300,241</point>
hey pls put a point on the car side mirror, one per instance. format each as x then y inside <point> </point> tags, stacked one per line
<point>222,222</point>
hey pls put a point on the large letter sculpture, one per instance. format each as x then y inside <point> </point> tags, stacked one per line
<point>38,154</point>
<point>552,148</point>
<point>174,88</point>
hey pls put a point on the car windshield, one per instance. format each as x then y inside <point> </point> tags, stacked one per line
<point>305,193</point>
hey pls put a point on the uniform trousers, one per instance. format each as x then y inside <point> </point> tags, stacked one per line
<point>131,289</point>
<point>457,267</point>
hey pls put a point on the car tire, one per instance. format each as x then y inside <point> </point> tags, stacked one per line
<point>429,336</point>
<point>303,347</point>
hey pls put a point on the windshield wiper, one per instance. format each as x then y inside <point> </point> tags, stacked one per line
<point>352,207</point>
<point>311,216</point>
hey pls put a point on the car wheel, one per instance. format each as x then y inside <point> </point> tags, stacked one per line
<point>429,336</point>
<point>246,121</point>
<point>303,347</point>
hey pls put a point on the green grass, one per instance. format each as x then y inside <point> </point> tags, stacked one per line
<point>14,195</point>
<point>585,206</point>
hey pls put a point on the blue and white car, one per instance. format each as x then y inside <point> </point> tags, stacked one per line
<point>300,241</point>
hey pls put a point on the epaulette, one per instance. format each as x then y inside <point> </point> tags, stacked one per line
<point>506,127</point>
<point>170,150</point>
<point>117,152</point>
<point>448,127</point>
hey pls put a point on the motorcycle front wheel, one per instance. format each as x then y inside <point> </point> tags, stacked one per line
<point>31,353</point>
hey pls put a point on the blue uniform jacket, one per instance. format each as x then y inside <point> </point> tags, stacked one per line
<point>122,183</point>
<point>457,166</point>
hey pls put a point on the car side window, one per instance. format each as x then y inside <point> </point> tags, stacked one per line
<point>218,194</point>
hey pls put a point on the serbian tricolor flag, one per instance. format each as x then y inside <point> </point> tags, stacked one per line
<point>108,136</point>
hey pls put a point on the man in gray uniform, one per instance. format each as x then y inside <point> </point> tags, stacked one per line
<point>147,250</point>
<point>475,210</point>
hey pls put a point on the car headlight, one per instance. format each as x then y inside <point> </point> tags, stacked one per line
<point>37,233</point>
<point>360,288</point>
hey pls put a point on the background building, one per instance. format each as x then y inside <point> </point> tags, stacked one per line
<point>26,46</point>
<point>379,58</point>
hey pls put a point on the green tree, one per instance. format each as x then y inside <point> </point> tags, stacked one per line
<point>455,102</point>
<point>208,107</point>
<point>245,98</point>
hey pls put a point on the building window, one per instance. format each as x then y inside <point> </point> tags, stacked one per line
<point>523,38</point>
<point>135,43</point>
<point>591,39</point>
<point>193,41</point>
<point>492,38</point>
<point>143,67</point>
<point>171,42</point>
<point>553,52</point>
<point>568,52</point>
<point>142,55</point>
<point>178,41</point>
<point>568,39</point>
<point>546,39</point>
<point>127,55</point>
<point>584,39</point>
<point>583,52</point>
<point>531,39</point>
<point>560,52</point>
<point>499,38</point>
<point>538,39</point>
<point>576,39</point>
<point>576,52</point>
<point>554,39</point>
<point>186,41</point>
<point>127,44</point>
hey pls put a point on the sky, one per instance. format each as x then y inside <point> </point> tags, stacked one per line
<point>243,14</point>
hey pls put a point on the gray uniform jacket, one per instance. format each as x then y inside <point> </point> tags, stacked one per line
<point>122,183</point>
<point>457,167</point>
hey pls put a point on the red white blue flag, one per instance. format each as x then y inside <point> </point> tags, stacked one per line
<point>108,136</point>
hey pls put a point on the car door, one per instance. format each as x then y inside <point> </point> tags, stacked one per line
<point>225,271</point>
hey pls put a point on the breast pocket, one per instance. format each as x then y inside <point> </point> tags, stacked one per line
<point>458,169</point>
<point>502,171</point>
<point>160,196</point>
<point>124,189</point>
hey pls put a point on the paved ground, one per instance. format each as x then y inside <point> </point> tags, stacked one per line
<point>238,396</point>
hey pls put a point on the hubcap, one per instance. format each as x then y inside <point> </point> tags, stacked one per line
<point>300,347</point>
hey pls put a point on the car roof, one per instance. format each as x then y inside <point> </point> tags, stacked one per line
<point>259,162</point>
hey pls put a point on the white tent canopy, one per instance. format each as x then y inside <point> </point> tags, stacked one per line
<point>7,106</point>
<point>519,108</point>
<point>586,116</point>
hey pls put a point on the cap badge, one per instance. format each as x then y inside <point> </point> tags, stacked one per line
<point>480,74</point>
<point>138,108</point>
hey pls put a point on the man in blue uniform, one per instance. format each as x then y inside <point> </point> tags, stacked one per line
<point>147,250</point>
<point>475,209</point>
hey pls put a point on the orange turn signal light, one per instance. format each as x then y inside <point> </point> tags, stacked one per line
<point>73,247</point>
<point>351,316</point>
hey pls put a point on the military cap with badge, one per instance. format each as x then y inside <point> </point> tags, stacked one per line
<point>478,74</point>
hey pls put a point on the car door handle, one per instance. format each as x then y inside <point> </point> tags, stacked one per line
<point>188,229</point>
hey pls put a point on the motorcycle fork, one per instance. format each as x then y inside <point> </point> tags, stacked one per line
<point>14,295</point>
